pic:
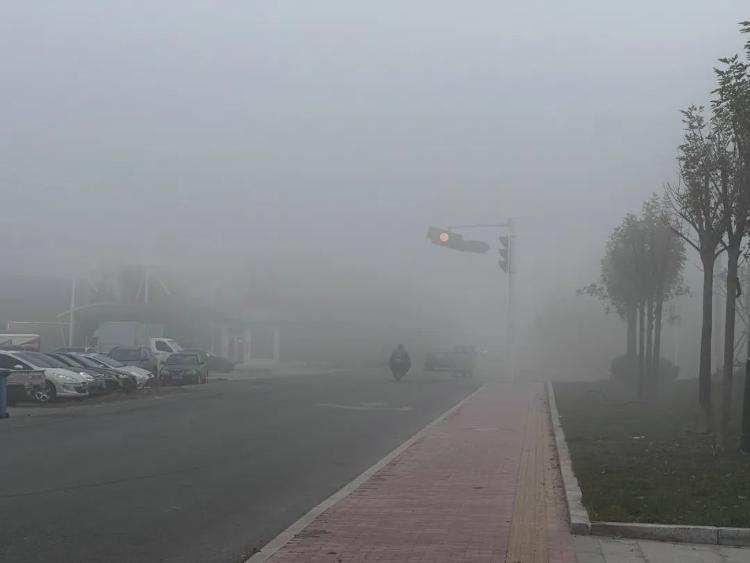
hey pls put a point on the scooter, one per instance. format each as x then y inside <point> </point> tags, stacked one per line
<point>399,368</point>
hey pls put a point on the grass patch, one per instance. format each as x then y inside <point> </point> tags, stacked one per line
<point>649,461</point>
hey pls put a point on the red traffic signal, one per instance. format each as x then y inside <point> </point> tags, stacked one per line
<point>449,239</point>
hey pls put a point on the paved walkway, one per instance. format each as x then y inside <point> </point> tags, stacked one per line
<point>607,550</point>
<point>480,486</point>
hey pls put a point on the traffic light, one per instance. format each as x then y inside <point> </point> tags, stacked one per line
<point>449,239</point>
<point>505,253</point>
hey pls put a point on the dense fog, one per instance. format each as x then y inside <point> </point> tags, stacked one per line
<point>288,157</point>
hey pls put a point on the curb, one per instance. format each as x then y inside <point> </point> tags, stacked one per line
<point>709,535</point>
<point>287,535</point>
<point>577,514</point>
<point>579,518</point>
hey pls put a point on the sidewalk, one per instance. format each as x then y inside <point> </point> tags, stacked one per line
<point>480,486</point>
<point>609,550</point>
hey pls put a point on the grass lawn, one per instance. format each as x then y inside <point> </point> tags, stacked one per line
<point>649,462</point>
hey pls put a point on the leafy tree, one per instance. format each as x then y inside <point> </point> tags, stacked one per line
<point>731,106</point>
<point>640,271</point>
<point>701,224</point>
<point>666,260</point>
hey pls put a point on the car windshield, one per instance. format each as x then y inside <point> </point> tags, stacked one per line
<point>41,360</point>
<point>106,360</point>
<point>83,360</point>
<point>65,360</point>
<point>126,354</point>
<point>182,360</point>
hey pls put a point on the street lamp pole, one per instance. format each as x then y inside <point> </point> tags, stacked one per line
<point>71,317</point>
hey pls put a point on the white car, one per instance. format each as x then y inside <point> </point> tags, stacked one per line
<point>142,377</point>
<point>58,382</point>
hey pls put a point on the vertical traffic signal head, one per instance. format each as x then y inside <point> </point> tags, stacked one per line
<point>504,252</point>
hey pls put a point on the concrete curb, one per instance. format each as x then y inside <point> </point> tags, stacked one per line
<point>579,518</point>
<point>710,535</point>
<point>577,514</point>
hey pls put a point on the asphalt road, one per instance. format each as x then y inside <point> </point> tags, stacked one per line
<point>200,473</point>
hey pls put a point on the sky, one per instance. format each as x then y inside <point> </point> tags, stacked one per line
<point>320,139</point>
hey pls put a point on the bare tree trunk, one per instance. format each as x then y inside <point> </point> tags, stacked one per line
<point>704,370</point>
<point>649,371</point>
<point>641,348</point>
<point>733,255</point>
<point>658,314</point>
<point>632,343</point>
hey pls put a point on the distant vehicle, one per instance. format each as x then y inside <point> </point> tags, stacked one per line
<point>138,356</point>
<point>102,382</point>
<point>460,360</point>
<point>399,363</point>
<point>58,381</point>
<point>162,348</point>
<point>215,363</point>
<point>130,334</point>
<point>20,341</point>
<point>184,367</point>
<point>141,376</point>
<point>112,380</point>
<point>21,385</point>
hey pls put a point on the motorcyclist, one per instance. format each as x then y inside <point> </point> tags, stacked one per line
<point>400,362</point>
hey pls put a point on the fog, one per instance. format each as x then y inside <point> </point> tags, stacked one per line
<point>296,152</point>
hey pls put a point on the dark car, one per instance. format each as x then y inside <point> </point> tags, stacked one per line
<point>184,367</point>
<point>138,356</point>
<point>215,363</point>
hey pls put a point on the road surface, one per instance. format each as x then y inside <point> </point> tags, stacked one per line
<point>199,473</point>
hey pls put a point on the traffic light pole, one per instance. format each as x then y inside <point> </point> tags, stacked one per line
<point>508,264</point>
<point>511,328</point>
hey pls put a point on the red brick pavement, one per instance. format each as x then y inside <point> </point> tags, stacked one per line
<point>479,486</point>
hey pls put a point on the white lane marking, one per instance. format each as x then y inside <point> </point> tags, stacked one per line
<point>284,537</point>
<point>365,407</point>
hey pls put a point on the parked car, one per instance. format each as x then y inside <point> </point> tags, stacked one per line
<point>101,383</point>
<point>112,380</point>
<point>141,376</point>
<point>138,356</point>
<point>21,385</point>
<point>58,381</point>
<point>184,367</point>
<point>215,363</point>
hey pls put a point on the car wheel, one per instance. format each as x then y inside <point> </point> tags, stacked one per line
<point>46,393</point>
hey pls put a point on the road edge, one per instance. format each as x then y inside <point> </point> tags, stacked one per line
<point>578,516</point>
<point>268,550</point>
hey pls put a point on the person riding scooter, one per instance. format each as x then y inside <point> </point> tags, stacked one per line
<point>400,362</point>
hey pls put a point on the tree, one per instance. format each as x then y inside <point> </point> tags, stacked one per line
<point>618,285</point>
<point>640,271</point>
<point>666,259</point>
<point>696,203</point>
<point>731,106</point>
